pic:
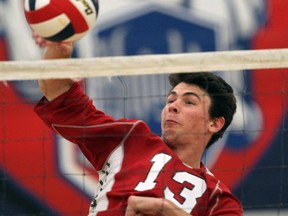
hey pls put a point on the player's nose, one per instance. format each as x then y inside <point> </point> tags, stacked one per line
<point>174,107</point>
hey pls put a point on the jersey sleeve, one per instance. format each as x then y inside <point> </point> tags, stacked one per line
<point>73,116</point>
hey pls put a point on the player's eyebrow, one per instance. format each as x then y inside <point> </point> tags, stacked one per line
<point>186,94</point>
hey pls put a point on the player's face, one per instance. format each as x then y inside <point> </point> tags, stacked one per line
<point>185,118</point>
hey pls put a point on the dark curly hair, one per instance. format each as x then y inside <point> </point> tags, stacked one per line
<point>223,101</point>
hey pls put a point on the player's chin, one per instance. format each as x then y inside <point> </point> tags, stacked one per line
<point>169,137</point>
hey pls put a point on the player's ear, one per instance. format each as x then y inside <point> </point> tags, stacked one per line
<point>216,124</point>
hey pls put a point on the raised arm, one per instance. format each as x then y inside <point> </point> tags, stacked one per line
<point>53,88</point>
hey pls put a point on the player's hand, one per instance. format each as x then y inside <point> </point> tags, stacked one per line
<point>53,50</point>
<point>150,206</point>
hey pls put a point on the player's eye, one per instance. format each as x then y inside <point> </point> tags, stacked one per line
<point>169,101</point>
<point>190,102</point>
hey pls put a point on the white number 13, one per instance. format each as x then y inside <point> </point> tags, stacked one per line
<point>189,195</point>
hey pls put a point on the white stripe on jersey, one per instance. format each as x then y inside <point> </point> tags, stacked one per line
<point>107,179</point>
<point>218,197</point>
<point>110,168</point>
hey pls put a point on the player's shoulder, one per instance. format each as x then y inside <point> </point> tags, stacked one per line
<point>219,191</point>
<point>212,181</point>
<point>139,125</point>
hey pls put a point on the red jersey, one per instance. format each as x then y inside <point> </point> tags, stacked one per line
<point>131,160</point>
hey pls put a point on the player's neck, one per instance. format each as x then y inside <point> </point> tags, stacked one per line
<point>190,157</point>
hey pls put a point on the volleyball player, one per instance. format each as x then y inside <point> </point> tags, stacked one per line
<point>141,173</point>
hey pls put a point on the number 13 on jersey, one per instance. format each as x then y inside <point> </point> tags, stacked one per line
<point>189,195</point>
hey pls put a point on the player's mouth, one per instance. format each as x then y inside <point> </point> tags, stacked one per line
<point>171,122</point>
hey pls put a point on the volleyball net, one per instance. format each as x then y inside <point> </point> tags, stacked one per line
<point>146,64</point>
<point>50,176</point>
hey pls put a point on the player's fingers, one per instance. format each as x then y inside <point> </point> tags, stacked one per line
<point>65,48</point>
<point>39,40</point>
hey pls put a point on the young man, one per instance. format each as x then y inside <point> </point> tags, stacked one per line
<point>141,173</point>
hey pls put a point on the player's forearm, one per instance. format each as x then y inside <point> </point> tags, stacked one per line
<point>153,206</point>
<point>53,88</point>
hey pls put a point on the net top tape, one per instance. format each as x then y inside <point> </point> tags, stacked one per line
<point>144,64</point>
